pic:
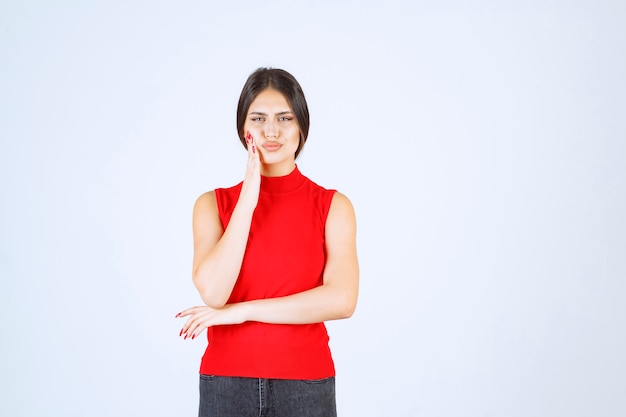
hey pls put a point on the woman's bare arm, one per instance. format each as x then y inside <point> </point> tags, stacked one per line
<point>336,298</point>
<point>218,253</point>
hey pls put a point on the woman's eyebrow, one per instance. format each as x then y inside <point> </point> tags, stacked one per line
<point>260,113</point>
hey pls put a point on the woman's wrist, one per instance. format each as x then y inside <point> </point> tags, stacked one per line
<point>246,311</point>
<point>239,312</point>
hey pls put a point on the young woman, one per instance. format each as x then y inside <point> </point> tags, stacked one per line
<point>274,257</point>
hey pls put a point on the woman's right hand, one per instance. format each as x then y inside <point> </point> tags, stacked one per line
<point>252,181</point>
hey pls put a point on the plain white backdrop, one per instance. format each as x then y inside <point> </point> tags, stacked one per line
<point>482,143</point>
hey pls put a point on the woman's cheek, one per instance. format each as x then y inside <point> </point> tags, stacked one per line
<point>256,133</point>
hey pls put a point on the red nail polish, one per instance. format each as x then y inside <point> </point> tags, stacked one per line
<point>178,315</point>
<point>193,337</point>
<point>181,332</point>
<point>253,149</point>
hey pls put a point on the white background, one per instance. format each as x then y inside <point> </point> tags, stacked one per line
<point>482,143</point>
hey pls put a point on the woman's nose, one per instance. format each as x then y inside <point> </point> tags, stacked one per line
<point>271,130</point>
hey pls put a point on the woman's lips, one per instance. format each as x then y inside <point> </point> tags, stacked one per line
<point>271,146</point>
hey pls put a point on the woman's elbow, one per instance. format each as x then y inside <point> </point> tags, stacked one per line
<point>347,307</point>
<point>213,302</point>
<point>209,297</point>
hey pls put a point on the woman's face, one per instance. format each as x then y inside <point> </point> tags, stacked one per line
<point>275,129</point>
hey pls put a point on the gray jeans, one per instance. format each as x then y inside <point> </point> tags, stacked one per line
<point>222,396</point>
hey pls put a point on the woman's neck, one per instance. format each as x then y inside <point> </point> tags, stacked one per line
<point>278,170</point>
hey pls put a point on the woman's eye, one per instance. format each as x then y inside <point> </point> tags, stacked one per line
<point>284,118</point>
<point>257,119</point>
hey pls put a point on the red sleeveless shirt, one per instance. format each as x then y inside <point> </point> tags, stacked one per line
<point>284,255</point>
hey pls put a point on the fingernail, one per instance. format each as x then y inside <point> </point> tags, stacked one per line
<point>181,332</point>
<point>248,137</point>
<point>178,315</point>
<point>193,337</point>
<point>253,149</point>
<point>185,337</point>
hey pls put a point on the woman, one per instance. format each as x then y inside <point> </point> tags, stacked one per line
<point>274,257</point>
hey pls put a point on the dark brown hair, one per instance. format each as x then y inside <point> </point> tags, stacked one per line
<point>283,82</point>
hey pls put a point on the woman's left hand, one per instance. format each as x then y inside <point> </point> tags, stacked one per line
<point>203,317</point>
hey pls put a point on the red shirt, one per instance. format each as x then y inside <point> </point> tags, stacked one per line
<point>285,255</point>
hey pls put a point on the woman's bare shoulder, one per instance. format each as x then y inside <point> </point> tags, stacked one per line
<point>341,210</point>
<point>341,201</point>
<point>206,203</point>
<point>206,198</point>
